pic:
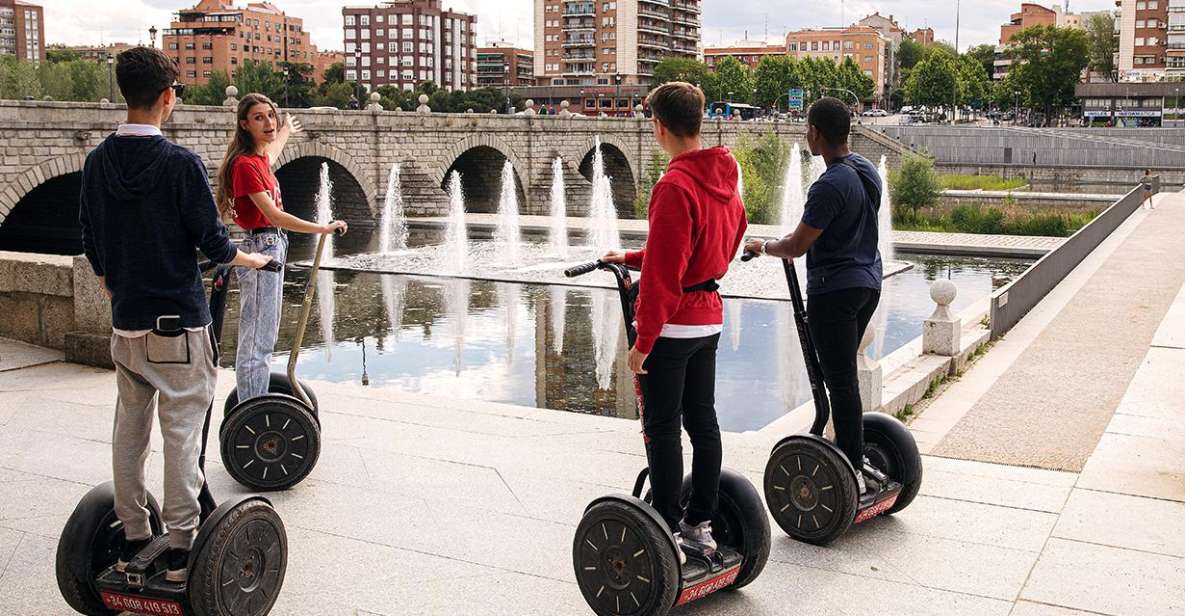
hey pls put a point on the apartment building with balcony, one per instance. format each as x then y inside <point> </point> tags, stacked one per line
<point>502,64</point>
<point>863,44</point>
<point>1144,31</point>
<point>22,30</point>
<point>611,42</point>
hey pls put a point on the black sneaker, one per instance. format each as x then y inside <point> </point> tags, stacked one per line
<point>178,561</point>
<point>129,551</point>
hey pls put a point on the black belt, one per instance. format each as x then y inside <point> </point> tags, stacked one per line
<point>707,285</point>
<point>262,230</point>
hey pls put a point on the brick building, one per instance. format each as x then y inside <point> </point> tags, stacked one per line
<point>215,35</point>
<point>503,64</point>
<point>922,36</point>
<point>748,53</point>
<point>404,43</point>
<point>590,42</point>
<point>863,44</point>
<point>1144,32</point>
<point>22,30</point>
<point>96,53</point>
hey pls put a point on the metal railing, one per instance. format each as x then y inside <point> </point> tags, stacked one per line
<point>1013,301</point>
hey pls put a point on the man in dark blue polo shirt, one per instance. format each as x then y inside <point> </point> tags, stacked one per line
<point>838,235</point>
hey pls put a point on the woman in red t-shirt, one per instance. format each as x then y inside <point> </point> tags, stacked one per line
<point>249,193</point>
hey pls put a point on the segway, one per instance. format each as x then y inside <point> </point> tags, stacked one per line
<point>624,554</point>
<point>810,485</point>
<point>272,442</point>
<point>236,565</point>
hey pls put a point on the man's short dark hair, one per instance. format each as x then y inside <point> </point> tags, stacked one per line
<point>679,106</point>
<point>142,74</point>
<point>832,119</point>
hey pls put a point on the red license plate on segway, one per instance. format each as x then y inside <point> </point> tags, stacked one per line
<point>141,605</point>
<point>707,587</point>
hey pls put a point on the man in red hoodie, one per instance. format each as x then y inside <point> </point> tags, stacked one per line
<point>697,221</point>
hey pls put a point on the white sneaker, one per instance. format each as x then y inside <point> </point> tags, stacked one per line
<point>700,533</point>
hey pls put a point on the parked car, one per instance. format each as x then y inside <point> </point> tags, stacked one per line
<point>875,113</point>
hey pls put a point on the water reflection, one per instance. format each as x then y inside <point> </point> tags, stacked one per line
<point>563,348</point>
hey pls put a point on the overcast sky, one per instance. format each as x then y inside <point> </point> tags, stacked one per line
<point>725,21</point>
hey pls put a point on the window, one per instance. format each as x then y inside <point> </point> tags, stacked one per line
<point>207,60</point>
<point>407,20</point>
<point>408,47</point>
<point>1140,23</point>
<point>814,45</point>
<point>365,75</point>
<point>173,46</point>
<point>351,75</point>
<point>350,47</point>
<point>848,45</point>
<point>191,60</point>
<point>191,74</point>
<point>350,34</point>
<point>379,46</point>
<point>408,33</point>
<point>1139,41</point>
<point>365,33</point>
<point>868,59</point>
<point>349,20</point>
<point>378,33</point>
<point>189,45</point>
<point>206,74</point>
<point>826,45</point>
<point>380,73</point>
<point>364,20</point>
<point>350,61</point>
<point>378,19</point>
<point>365,47</point>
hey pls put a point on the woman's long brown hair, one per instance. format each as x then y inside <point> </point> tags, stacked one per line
<point>240,144</point>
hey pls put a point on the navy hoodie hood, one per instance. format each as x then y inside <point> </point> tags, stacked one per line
<point>133,166</point>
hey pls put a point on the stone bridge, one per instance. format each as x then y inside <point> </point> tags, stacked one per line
<point>43,146</point>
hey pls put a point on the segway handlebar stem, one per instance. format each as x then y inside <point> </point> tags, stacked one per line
<point>306,308</point>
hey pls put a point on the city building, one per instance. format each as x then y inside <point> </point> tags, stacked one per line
<point>611,42</point>
<point>98,53</point>
<point>1132,105</point>
<point>893,34</point>
<point>502,64</point>
<point>1175,43</point>
<point>404,43</point>
<point>22,30</point>
<point>748,53</point>
<point>217,36</point>
<point>1030,15</point>
<point>922,36</point>
<point>322,60</point>
<point>1143,27</point>
<point>864,45</point>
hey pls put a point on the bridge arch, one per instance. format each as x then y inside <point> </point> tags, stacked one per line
<point>479,159</point>
<point>39,209</point>
<point>299,176</point>
<point>619,169</point>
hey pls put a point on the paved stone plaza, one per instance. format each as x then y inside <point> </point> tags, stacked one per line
<point>424,505</point>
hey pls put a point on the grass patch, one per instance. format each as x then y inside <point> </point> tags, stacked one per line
<point>904,414</point>
<point>1007,220</point>
<point>980,182</point>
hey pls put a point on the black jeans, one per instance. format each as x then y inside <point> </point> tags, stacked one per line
<point>837,322</point>
<point>681,383</point>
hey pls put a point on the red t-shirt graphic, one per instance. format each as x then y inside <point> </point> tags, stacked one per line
<point>251,174</point>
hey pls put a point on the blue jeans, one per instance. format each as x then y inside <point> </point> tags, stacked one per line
<point>260,301</point>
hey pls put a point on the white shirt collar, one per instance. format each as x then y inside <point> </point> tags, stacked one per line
<point>137,130</point>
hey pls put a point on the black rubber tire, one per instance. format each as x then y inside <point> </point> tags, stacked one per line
<point>826,489</point>
<point>740,523</point>
<point>279,384</point>
<point>621,573</point>
<point>89,544</point>
<point>268,432</point>
<point>240,569</point>
<point>890,447</point>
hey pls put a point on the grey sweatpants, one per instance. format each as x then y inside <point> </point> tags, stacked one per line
<point>261,296</point>
<point>174,376</point>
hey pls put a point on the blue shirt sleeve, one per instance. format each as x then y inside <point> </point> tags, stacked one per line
<point>822,206</point>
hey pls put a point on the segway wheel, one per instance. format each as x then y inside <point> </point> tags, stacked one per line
<point>625,564</point>
<point>891,448</point>
<point>90,543</point>
<point>810,490</point>
<point>270,443</point>
<point>278,384</point>
<point>740,523</point>
<point>240,569</point>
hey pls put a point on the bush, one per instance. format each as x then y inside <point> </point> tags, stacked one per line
<point>913,186</point>
<point>763,164</point>
<point>650,176</point>
<point>974,219</point>
<point>999,221</point>
<point>980,182</point>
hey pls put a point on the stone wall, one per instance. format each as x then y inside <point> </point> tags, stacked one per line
<point>40,140</point>
<point>37,298</point>
<point>1102,180</point>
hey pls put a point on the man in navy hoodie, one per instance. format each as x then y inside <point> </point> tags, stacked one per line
<point>145,207</point>
<point>697,221</point>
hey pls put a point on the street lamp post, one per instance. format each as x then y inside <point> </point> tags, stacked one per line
<point>1016,107</point>
<point>152,36</point>
<point>110,78</point>
<point>506,84</point>
<point>285,86</point>
<point>358,75</point>
<point>617,81</point>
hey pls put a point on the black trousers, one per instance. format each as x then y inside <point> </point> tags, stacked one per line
<point>681,386</point>
<point>837,322</point>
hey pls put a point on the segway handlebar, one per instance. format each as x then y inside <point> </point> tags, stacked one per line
<point>272,266</point>
<point>582,269</point>
<point>749,256</point>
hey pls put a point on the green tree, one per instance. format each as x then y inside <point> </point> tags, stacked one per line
<point>18,79</point>
<point>259,77</point>
<point>816,75</point>
<point>338,95</point>
<point>774,77</point>
<point>60,55</point>
<point>689,70</point>
<point>850,77</point>
<point>732,76</point>
<point>763,163</point>
<point>985,55</point>
<point>650,176</point>
<point>1103,44</point>
<point>213,92</point>
<point>1046,64</point>
<point>932,81</point>
<point>974,86</point>
<point>297,87</point>
<point>914,185</point>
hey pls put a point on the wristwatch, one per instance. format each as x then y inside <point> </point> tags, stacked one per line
<point>765,245</point>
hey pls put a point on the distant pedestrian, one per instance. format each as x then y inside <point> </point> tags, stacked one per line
<point>1146,182</point>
